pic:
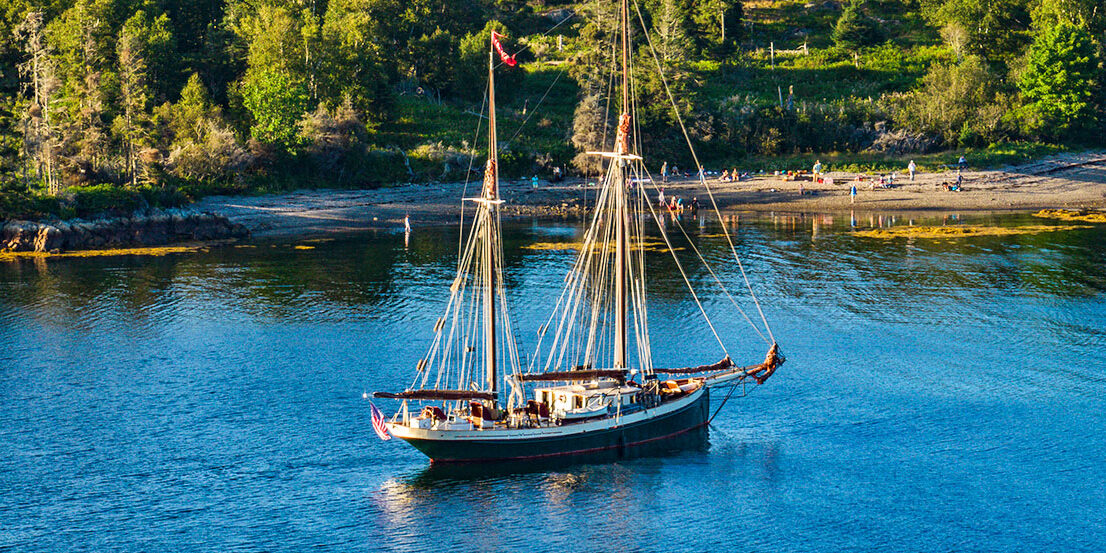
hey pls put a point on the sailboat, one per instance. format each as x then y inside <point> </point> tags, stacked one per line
<point>584,390</point>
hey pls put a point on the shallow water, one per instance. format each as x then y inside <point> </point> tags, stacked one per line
<point>938,395</point>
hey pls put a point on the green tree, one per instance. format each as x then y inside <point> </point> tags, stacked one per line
<point>131,125</point>
<point>1081,13</point>
<point>356,64</point>
<point>717,25</point>
<point>82,38</point>
<point>190,119</point>
<point>472,66</point>
<point>434,56</point>
<point>1058,82</point>
<point>995,29</point>
<point>277,102</point>
<point>855,28</point>
<point>152,40</point>
<point>671,30</point>
<point>41,84</point>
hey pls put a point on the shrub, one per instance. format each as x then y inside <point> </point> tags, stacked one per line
<point>963,103</point>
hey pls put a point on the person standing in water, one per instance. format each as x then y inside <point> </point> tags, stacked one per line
<point>406,223</point>
<point>912,168</point>
<point>852,193</point>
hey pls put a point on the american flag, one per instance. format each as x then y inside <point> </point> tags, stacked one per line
<point>378,423</point>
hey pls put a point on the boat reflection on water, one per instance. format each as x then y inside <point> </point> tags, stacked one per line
<point>695,441</point>
<point>447,493</point>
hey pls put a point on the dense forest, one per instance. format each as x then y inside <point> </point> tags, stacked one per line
<point>120,104</point>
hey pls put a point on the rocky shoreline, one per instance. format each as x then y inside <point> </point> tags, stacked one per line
<point>147,228</point>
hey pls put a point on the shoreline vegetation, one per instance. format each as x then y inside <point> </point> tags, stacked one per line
<point>111,107</point>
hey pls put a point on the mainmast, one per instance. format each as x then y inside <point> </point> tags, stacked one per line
<point>490,201</point>
<point>622,148</point>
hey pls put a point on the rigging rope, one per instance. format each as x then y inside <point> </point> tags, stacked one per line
<point>711,269</point>
<point>698,167</point>
<point>683,274</point>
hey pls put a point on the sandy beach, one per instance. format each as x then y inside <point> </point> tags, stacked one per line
<point>1069,181</point>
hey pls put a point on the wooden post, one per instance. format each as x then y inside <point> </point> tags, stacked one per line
<point>772,51</point>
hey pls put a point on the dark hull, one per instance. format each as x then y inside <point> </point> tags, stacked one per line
<point>619,442</point>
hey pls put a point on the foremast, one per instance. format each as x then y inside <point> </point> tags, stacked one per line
<point>622,149</point>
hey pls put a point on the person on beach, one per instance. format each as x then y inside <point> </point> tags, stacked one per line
<point>962,164</point>
<point>852,193</point>
<point>733,175</point>
<point>725,176</point>
<point>817,169</point>
<point>664,172</point>
<point>675,170</point>
<point>801,189</point>
<point>702,175</point>
<point>912,168</point>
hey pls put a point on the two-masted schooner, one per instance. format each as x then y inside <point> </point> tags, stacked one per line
<point>584,391</point>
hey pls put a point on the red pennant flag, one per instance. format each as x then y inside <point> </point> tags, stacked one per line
<point>509,60</point>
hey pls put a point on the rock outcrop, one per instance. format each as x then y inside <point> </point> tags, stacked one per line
<point>149,228</point>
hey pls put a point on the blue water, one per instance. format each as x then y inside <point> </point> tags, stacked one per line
<point>939,396</point>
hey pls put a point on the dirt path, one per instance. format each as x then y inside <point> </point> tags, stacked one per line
<point>1074,181</point>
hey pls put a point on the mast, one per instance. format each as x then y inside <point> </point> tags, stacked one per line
<point>622,148</point>
<point>489,201</point>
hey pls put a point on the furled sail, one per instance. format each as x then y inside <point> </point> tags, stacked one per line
<point>443,395</point>
<point>577,375</point>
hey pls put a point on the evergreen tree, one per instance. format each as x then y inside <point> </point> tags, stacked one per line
<point>1058,82</point>
<point>855,28</point>
<point>153,41</point>
<point>356,62</point>
<point>39,125</point>
<point>131,125</point>
<point>434,56</point>
<point>672,30</point>
<point>995,29</point>
<point>717,25</point>
<point>472,66</point>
